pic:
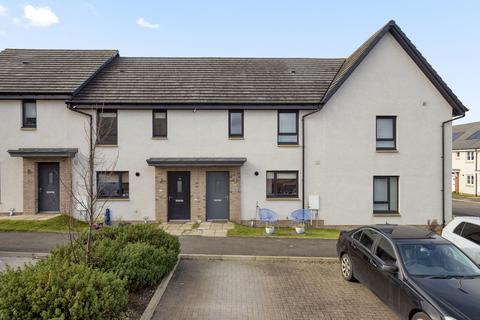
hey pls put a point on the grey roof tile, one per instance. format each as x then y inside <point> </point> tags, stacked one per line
<point>39,71</point>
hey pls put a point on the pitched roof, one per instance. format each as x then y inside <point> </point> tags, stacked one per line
<point>463,136</point>
<point>37,71</point>
<point>358,55</point>
<point>211,81</point>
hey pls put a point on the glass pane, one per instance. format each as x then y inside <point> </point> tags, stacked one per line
<point>160,127</point>
<point>385,144</point>
<point>380,207</point>
<point>160,115</point>
<point>393,193</point>
<point>50,178</point>
<point>108,114</point>
<point>287,122</point>
<point>385,251</point>
<point>108,184</point>
<point>286,175</point>
<point>471,232</point>
<point>289,138</point>
<point>286,187</point>
<point>380,189</point>
<point>179,185</point>
<point>30,110</point>
<point>236,123</point>
<point>270,175</point>
<point>385,128</point>
<point>125,184</point>
<point>368,238</point>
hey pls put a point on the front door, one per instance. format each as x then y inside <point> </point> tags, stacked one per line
<point>217,195</point>
<point>179,195</point>
<point>457,184</point>
<point>48,186</point>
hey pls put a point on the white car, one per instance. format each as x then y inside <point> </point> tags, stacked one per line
<point>464,232</point>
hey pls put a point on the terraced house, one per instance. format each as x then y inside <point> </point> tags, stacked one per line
<point>213,138</point>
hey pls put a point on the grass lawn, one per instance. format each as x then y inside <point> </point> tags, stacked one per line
<point>56,224</point>
<point>463,196</point>
<point>244,231</point>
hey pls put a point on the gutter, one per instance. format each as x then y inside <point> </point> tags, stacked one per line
<point>443,165</point>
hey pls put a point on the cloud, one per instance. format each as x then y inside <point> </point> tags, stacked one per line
<point>39,16</point>
<point>3,10</point>
<point>145,24</point>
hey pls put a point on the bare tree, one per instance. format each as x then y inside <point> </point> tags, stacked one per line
<point>88,200</point>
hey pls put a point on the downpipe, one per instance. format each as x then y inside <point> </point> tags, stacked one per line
<point>444,164</point>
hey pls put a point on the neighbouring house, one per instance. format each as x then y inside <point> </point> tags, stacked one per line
<point>211,138</point>
<point>465,150</point>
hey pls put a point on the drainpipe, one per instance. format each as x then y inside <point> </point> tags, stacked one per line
<point>476,162</point>
<point>443,165</point>
<point>303,152</point>
<point>90,156</point>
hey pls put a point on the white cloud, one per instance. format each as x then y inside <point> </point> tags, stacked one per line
<point>39,16</point>
<point>145,24</point>
<point>3,10</point>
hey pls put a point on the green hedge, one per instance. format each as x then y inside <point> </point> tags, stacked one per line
<point>52,290</point>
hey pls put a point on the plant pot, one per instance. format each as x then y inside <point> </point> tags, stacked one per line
<point>300,230</point>
<point>269,230</point>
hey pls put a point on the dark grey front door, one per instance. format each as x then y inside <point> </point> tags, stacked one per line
<point>178,195</point>
<point>48,186</point>
<point>218,203</point>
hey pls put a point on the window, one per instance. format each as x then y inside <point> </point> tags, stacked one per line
<point>385,251</point>
<point>385,194</point>
<point>107,127</point>
<point>458,229</point>
<point>112,184</point>
<point>386,132</point>
<point>368,238</point>
<point>159,123</point>
<point>235,123</point>
<point>282,184</point>
<point>457,155</point>
<point>471,232</point>
<point>29,114</point>
<point>470,179</point>
<point>470,155</point>
<point>357,235</point>
<point>287,127</point>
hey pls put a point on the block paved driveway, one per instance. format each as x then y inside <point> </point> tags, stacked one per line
<point>215,289</point>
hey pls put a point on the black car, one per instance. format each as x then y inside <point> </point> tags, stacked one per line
<point>417,273</point>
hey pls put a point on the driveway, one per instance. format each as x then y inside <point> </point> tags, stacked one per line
<point>465,207</point>
<point>215,289</point>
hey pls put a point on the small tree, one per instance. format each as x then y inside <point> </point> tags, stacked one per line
<point>85,198</point>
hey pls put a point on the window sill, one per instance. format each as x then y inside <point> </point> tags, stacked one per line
<point>107,145</point>
<point>114,199</point>
<point>386,214</point>
<point>283,199</point>
<point>236,138</point>
<point>288,145</point>
<point>28,129</point>
<point>387,151</point>
<point>159,138</point>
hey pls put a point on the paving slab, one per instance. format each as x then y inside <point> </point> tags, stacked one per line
<point>214,289</point>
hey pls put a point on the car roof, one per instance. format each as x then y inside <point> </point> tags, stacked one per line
<point>396,232</point>
<point>474,220</point>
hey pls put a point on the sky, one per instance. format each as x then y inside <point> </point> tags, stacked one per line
<point>446,32</point>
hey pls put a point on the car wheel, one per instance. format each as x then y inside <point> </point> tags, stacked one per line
<point>421,316</point>
<point>346,267</point>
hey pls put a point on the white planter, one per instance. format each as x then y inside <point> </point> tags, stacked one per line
<point>269,230</point>
<point>300,230</point>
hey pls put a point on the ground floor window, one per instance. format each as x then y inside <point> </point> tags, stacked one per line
<point>385,194</point>
<point>282,184</point>
<point>112,184</point>
<point>470,179</point>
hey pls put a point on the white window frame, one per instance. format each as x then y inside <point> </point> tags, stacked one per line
<point>470,155</point>
<point>470,179</point>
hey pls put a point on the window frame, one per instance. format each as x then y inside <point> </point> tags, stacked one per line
<point>374,252</point>
<point>394,133</point>
<point>29,126</point>
<point>470,153</point>
<point>99,140</point>
<point>153,123</point>
<point>235,135</point>
<point>388,196</point>
<point>468,179</point>
<point>464,236</point>
<point>287,134</point>
<point>274,194</point>
<point>119,174</point>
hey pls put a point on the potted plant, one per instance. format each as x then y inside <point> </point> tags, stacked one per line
<point>300,228</point>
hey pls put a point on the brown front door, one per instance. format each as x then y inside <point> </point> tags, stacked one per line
<point>457,183</point>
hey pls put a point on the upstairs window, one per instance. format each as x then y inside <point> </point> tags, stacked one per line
<point>386,132</point>
<point>470,155</point>
<point>385,194</point>
<point>235,123</point>
<point>107,127</point>
<point>159,123</point>
<point>29,114</point>
<point>287,127</point>
<point>282,184</point>
<point>112,184</point>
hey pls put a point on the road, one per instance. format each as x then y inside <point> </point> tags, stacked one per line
<point>466,208</point>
